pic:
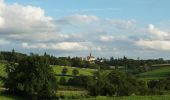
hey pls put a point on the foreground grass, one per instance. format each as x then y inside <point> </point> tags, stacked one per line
<point>163,97</point>
<point>10,97</point>
<point>156,97</point>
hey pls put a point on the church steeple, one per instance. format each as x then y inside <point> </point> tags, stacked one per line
<point>90,54</point>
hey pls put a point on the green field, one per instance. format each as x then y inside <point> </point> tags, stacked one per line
<point>2,72</point>
<point>83,71</point>
<point>159,73</point>
<point>2,69</point>
<point>8,97</point>
<point>163,97</point>
<point>58,70</point>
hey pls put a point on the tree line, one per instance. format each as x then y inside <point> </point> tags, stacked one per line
<point>102,63</point>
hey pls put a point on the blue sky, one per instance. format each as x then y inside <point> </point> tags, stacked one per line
<point>142,10</point>
<point>134,28</point>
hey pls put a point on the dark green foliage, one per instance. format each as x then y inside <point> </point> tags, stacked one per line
<point>31,76</point>
<point>11,56</point>
<point>75,72</point>
<point>64,71</point>
<point>100,84</point>
<point>156,87</point>
<point>167,83</point>
<point>63,81</point>
<point>132,63</point>
<point>77,62</point>
<point>115,83</point>
<point>78,81</point>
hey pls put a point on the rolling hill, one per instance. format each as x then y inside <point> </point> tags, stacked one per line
<point>83,71</point>
<point>158,73</point>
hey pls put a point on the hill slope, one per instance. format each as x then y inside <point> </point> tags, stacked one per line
<point>159,73</point>
<point>84,71</point>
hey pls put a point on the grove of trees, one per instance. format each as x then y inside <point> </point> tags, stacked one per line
<point>32,76</point>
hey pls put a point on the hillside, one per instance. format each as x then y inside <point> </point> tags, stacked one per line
<point>84,71</point>
<point>158,73</point>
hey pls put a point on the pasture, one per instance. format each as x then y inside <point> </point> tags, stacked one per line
<point>83,71</point>
<point>155,74</point>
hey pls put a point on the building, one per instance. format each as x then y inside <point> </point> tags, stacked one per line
<point>91,59</point>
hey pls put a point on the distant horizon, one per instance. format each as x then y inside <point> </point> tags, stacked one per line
<point>131,28</point>
<point>84,55</point>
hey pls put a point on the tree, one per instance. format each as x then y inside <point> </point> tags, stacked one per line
<point>32,76</point>
<point>100,85</point>
<point>1,56</point>
<point>77,62</point>
<point>64,71</point>
<point>75,72</point>
<point>80,81</point>
<point>63,81</point>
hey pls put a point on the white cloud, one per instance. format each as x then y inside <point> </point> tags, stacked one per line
<point>121,24</point>
<point>39,37</point>
<point>111,38</point>
<point>66,46</point>
<point>158,39</point>
<point>1,21</point>
<point>155,44</point>
<point>20,19</point>
<point>94,22</point>
<point>106,38</point>
<point>2,4</point>
<point>4,42</point>
<point>159,34</point>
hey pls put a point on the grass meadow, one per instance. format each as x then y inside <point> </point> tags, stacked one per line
<point>159,73</point>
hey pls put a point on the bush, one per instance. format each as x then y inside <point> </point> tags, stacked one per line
<point>64,71</point>
<point>63,81</point>
<point>75,72</point>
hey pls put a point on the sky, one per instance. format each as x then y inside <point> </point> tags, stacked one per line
<point>132,28</point>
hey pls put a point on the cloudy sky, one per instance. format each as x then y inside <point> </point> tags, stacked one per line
<point>132,28</point>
